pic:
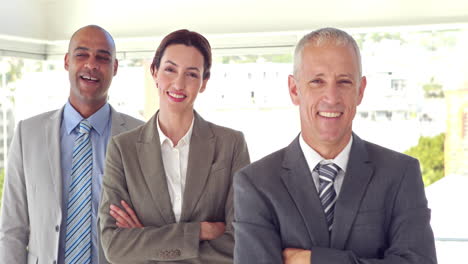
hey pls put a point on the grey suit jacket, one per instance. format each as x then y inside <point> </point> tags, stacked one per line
<point>32,197</point>
<point>381,213</point>
<point>135,173</point>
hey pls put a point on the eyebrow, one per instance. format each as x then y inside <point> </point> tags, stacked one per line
<point>339,75</point>
<point>175,64</point>
<point>99,50</point>
<point>81,48</point>
<point>345,75</point>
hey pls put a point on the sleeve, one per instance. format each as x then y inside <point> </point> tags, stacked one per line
<point>14,223</point>
<point>178,241</point>
<point>222,248</point>
<point>173,242</point>
<point>256,234</point>
<point>410,236</point>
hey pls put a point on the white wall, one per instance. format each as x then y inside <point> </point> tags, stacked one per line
<point>58,19</point>
<point>22,18</point>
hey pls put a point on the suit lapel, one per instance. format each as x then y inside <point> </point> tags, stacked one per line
<point>52,146</point>
<point>151,164</point>
<point>357,178</point>
<point>117,123</point>
<point>301,187</point>
<point>201,155</point>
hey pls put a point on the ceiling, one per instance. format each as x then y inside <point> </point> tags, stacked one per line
<point>35,26</point>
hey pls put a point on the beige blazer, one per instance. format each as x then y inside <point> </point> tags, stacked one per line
<point>134,172</point>
<point>32,197</point>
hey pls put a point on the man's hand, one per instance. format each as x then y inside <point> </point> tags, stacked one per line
<point>125,218</point>
<point>211,230</point>
<point>296,256</point>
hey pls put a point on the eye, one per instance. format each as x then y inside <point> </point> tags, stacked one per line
<point>104,58</point>
<point>345,82</point>
<point>81,55</point>
<point>169,69</point>
<point>193,75</point>
<point>316,81</point>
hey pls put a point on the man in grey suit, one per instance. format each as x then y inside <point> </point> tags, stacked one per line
<point>331,197</point>
<point>36,222</point>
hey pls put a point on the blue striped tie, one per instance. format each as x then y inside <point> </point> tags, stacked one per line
<point>327,193</point>
<point>78,235</point>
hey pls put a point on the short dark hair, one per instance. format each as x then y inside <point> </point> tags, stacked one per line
<point>190,39</point>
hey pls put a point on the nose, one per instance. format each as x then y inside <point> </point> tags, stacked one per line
<point>332,94</point>
<point>92,64</point>
<point>179,82</point>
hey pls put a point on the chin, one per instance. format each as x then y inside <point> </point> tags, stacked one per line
<point>331,137</point>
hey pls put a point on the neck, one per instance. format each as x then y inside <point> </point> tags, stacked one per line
<point>328,150</point>
<point>87,110</point>
<point>175,125</point>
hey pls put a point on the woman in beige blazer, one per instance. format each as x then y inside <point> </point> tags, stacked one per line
<point>167,185</point>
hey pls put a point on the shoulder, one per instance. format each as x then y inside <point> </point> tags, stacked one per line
<point>390,167</point>
<point>265,170</point>
<point>225,132</point>
<point>263,177</point>
<point>131,135</point>
<point>130,121</point>
<point>34,128</point>
<point>384,156</point>
<point>124,144</point>
<point>31,132</point>
<point>223,135</point>
<point>40,119</point>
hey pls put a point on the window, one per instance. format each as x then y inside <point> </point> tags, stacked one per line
<point>403,101</point>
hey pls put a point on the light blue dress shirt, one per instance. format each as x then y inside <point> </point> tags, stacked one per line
<point>101,123</point>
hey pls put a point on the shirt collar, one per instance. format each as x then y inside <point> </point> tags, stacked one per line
<point>185,140</point>
<point>313,157</point>
<point>98,120</point>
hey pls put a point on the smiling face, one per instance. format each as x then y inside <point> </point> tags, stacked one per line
<point>91,65</point>
<point>179,79</point>
<point>327,88</point>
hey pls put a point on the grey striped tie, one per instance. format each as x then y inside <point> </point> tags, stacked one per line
<point>78,235</point>
<point>327,193</point>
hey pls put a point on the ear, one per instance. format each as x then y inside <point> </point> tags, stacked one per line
<point>66,61</point>
<point>293,90</point>
<point>203,87</point>
<point>154,75</point>
<point>362,87</point>
<point>116,66</point>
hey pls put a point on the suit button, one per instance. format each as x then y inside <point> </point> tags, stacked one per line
<point>55,262</point>
<point>57,228</point>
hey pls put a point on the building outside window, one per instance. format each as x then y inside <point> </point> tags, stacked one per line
<point>410,94</point>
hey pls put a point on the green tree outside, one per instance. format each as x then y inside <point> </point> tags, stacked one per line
<point>430,153</point>
<point>432,89</point>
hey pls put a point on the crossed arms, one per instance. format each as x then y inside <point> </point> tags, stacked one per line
<point>127,238</point>
<point>263,235</point>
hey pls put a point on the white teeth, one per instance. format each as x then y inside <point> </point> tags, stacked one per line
<point>329,114</point>
<point>89,78</point>
<point>179,96</point>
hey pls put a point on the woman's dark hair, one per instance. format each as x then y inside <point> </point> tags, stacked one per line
<point>187,38</point>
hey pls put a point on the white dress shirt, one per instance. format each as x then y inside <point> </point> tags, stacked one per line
<point>175,161</point>
<point>313,159</point>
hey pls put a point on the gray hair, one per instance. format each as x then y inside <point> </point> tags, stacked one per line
<point>325,36</point>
